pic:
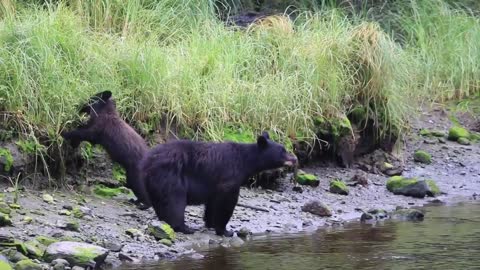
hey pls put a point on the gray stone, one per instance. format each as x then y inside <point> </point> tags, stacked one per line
<point>76,253</point>
<point>317,208</point>
<point>409,214</point>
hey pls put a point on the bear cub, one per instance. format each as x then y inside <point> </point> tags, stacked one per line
<point>181,173</point>
<point>124,146</point>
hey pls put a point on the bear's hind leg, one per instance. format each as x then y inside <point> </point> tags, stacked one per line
<point>224,206</point>
<point>208,215</point>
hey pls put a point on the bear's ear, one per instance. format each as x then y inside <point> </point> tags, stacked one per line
<point>262,141</point>
<point>265,134</point>
<point>106,95</point>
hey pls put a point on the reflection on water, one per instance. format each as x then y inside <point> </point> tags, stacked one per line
<point>448,238</point>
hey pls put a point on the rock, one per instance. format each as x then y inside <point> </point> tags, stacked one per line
<point>4,263</point>
<point>134,233</point>
<point>27,265</point>
<point>358,179</point>
<point>45,240</point>
<point>412,187</point>
<point>71,225</point>
<point>456,133</point>
<point>60,264</point>
<point>408,214</point>
<point>76,253</point>
<point>4,208</point>
<point>5,220</point>
<point>161,230</point>
<point>15,206</point>
<point>64,212</point>
<point>374,214</point>
<point>67,207</point>
<point>297,189</point>
<point>124,257</point>
<point>78,268</point>
<point>442,140</point>
<point>112,246</point>
<point>35,249</point>
<point>14,160</point>
<point>47,198</point>
<point>27,220</point>
<point>14,256</point>
<point>166,242</point>
<point>338,187</point>
<point>463,141</point>
<point>77,212</point>
<point>236,242</point>
<point>422,157</point>
<point>244,232</point>
<point>304,178</point>
<point>317,208</point>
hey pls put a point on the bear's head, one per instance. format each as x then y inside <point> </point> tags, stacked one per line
<point>98,103</point>
<point>273,155</point>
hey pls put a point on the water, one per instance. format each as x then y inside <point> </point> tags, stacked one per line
<point>448,238</point>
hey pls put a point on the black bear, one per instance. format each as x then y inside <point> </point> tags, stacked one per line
<point>182,173</point>
<point>124,146</point>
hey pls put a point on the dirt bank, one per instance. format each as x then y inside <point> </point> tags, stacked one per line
<point>454,167</point>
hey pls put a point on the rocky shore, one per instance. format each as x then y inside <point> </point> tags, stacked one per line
<point>71,229</point>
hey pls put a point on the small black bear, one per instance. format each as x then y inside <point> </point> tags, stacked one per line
<point>124,146</point>
<point>182,173</point>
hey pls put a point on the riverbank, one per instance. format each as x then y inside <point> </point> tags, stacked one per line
<point>118,226</point>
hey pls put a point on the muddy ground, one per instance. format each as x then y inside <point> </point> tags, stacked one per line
<point>454,167</point>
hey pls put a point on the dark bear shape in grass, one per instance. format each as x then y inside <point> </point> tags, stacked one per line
<point>124,146</point>
<point>182,173</point>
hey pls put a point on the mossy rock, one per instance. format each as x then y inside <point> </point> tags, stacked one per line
<point>4,208</point>
<point>5,220</point>
<point>27,220</point>
<point>411,187</point>
<point>474,136</point>
<point>18,245</point>
<point>107,192</point>
<point>432,133</point>
<point>5,265</point>
<point>35,249</point>
<point>374,214</point>
<point>422,157</point>
<point>76,253</point>
<point>408,214</point>
<point>433,187</point>
<point>307,179</point>
<point>166,242</point>
<point>78,213</point>
<point>15,206</point>
<point>161,230</point>
<point>338,187</point>
<point>133,232</point>
<point>463,141</point>
<point>48,198</point>
<point>45,240</point>
<point>27,265</point>
<point>456,133</point>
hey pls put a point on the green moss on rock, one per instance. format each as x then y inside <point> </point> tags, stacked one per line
<point>5,266</point>
<point>338,187</point>
<point>45,240</point>
<point>107,192</point>
<point>27,265</point>
<point>307,179</point>
<point>457,132</point>
<point>463,141</point>
<point>14,206</point>
<point>4,208</point>
<point>35,249</point>
<point>399,182</point>
<point>433,187</point>
<point>77,213</point>
<point>422,157</point>
<point>5,220</point>
<point>161,230</point>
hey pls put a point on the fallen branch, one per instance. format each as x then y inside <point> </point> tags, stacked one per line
<point>253,207</point>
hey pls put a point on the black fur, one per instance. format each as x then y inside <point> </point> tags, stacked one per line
<point>106,128</point>
<point>182,173</point>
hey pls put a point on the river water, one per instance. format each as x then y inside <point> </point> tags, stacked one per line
<point>448,238</point>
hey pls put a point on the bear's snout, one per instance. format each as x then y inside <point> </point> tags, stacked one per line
<point>290,160</point>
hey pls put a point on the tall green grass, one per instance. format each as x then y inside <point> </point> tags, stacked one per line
<point>175,61</point>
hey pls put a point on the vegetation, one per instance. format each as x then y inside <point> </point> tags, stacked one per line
<point>176,61</point>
